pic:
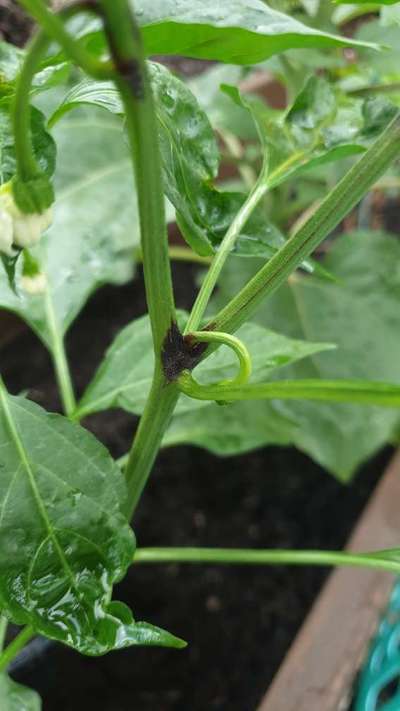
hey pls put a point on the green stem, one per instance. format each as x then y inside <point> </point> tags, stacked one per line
<point>52,25</point>
<point>243,556</point>
<point>223,253</point>
<point>332,210</point>
<point>27,165</point>
<point>236,345</point>
<point>264,183</point>
<point>153,423</point>
<point>59,358</point>
<point>3,630</point>
<point>15,647</point>
<point>133,83</point>
<point>350,391</point>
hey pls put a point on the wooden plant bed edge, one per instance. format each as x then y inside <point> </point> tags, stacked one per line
<point>320,668</point>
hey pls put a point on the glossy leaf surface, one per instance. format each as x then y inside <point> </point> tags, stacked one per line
<point>63,539</point>
<point>238,32</point>
<point>43,143</point>
<point>235,31</point>
<point>191,164</point>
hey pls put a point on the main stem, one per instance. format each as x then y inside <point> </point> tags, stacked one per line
<point>133,83</point>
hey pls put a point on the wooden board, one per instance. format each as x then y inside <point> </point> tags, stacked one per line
<point>319,670</point>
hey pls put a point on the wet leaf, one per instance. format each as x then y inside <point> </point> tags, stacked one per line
<point>64,541</point>
<point>43,143</point>
<point>191,164</point>
<point>235,31</point>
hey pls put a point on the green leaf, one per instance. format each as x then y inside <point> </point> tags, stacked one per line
<point>390,15</point>
<point>64,541</point>
<point>11,59</point>
<point>191,164</point>
<point>124,377</point>
<point>10,266</point>
<point>360,314</point>
<point>235,31</point>
<point>222,430</point>
<point>14,697</point>
<point>321,126</point>
<point>43,143</point>
<point>362,2</point>
<point>239,32</point>
<point>95,227</point>
<point>376,68</point>
<point>222,113</point>
<point>93,93</point>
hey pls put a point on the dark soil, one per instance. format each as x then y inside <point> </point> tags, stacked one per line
<point>239,621</point>
<point>15,26</point>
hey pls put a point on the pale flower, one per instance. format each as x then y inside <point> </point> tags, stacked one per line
<point>28,229</point>
<point>6,233</point>
<point>17,228</point>
<point>33,285</point>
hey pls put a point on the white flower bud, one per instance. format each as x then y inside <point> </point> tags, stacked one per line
<point>34,285</point>
<point>25,229</point>
<point>6,233</point>
<point>28,229</point>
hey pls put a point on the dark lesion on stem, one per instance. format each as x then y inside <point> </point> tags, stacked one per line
<point>180,353</point>
<point>133,73</point>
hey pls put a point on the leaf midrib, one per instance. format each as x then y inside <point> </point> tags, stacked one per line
<point>19,446</point>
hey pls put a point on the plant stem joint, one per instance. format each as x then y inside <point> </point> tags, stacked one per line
<point>180,353</point>
<point>132,72</point>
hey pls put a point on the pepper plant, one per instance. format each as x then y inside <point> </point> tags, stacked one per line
<point>65,505</point>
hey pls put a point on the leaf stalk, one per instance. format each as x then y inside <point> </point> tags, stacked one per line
<point>379,560</point>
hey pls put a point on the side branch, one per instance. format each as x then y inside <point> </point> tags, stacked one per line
<point>343,198</point>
